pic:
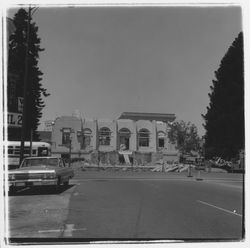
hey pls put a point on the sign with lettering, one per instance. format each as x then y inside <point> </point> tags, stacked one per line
<point>20,104</point>
<point>14,119</point>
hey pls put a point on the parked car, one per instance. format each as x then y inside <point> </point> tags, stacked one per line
<point>35,171</point>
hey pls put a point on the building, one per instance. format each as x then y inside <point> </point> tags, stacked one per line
<point>14,116</point>
<point>10,27</point>
<point>143,137</point>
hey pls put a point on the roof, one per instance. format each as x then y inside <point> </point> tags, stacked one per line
<point>148,116</point>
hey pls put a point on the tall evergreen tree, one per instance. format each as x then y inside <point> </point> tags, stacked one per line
<point>224,120</point>
<point>16,65</point>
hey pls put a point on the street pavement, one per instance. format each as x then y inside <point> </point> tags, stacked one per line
<point>126,205</point>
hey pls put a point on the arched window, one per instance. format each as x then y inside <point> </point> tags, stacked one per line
<point>124,136</point>
<point>161,139</point>
<point>86,137</point>
<point>143,137</point>
<point>104,136</point>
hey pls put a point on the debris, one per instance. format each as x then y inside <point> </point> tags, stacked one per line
<point>157,168</point>
<point>184,167</point>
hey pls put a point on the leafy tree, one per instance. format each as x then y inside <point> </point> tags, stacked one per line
<point>185,136</point>
<point>224,119</point>
<point>16,65</point>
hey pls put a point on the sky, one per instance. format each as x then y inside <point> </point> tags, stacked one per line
<point>104,61</point>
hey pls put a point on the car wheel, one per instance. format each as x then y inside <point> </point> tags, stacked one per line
<point>57,186</point>
<point>66,183</point>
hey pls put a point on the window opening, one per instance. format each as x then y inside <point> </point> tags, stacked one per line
<point>143,136</point>
<point>161,140</point>
<point>86,138</point>
<point>104,136</point>
<point>124,136</point>
<point>65,136</point>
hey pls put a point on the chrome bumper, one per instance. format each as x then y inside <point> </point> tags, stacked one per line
<point>33,182</point>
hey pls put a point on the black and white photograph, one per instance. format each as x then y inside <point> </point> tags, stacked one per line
<point>123,123</point>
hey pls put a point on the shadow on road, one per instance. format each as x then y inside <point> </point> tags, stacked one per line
<point>39,190</point>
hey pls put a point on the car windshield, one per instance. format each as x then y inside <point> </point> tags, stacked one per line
<point>40,161</point>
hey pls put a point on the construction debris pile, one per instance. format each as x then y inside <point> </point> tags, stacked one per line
<point>229,166</point>
<point>159,166</point>
<point>171,167</point>
<point>216,164</point>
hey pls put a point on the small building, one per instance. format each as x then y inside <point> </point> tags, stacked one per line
<point>143,137</point>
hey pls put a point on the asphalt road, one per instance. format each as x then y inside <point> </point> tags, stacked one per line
<point>132,205</point>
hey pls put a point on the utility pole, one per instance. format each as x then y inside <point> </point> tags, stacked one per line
<point>23,132</point>
<point>70,141</point>
<point>70,145</point>
<point>31,140</point>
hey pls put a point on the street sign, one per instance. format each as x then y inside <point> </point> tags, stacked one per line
<point>14,119</point>
<point>20,104</point>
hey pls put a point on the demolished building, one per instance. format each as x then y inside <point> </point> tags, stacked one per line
<point>136,138</point>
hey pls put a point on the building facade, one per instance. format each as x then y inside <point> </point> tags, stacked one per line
<point>143,137</point>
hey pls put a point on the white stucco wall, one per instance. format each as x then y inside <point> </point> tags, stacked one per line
<point>65,122</point>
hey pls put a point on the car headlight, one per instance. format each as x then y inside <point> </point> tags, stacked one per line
<point>11,177</point>
<point>48,176</point>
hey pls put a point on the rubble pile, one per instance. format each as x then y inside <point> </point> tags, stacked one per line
<point>218,162</point>
<point>171,166</point>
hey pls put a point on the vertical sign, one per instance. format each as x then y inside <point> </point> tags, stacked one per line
<point>20,104</point>
<point>14,119</point>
